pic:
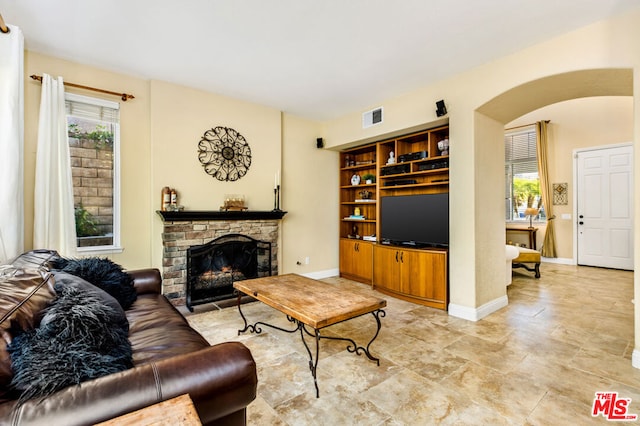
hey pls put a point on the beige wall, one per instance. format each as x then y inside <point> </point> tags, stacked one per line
<point>179,118</point>
<point>135,174</point>
<point>489,206</point>
<point>310,176</point>
<point>279,143</point>
<point>578,124</point>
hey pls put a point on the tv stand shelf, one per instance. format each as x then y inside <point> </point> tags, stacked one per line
<point>421,274</point>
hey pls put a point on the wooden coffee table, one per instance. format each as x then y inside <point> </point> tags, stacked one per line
<point>311,303</point>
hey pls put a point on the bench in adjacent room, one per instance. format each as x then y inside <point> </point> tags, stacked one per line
<point>528,259</point>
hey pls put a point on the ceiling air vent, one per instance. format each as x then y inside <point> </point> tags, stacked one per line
<point>371,118</point>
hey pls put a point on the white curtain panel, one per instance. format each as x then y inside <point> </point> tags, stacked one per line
<point>11,143</point>
<point>54,220</point>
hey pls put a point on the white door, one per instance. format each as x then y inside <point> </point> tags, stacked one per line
<point>605,207</point>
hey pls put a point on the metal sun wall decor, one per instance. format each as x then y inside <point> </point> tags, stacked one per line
<point>224,153</point>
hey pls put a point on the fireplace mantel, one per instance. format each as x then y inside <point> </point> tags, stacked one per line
<point>189,215</point>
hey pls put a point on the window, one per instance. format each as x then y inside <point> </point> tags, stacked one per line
<point>521,175</point>
<point>94,145</point>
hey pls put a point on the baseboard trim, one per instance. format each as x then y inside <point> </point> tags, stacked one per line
<point>635,358</point>
<point>558,260</point>
<point>476,314</point>
<point>318,275</point>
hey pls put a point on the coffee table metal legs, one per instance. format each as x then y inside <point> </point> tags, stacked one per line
<point>313,361</point>
<point>313,365</point>
<point>353,347</point>
<point>256,328</point>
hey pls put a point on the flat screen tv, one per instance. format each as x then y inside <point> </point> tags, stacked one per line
<point>417,220</point>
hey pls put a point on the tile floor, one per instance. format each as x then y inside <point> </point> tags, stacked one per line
<point>538,361</point>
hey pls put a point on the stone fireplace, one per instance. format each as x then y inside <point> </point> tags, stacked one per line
<point>212,268</point>
<point>186,229</point>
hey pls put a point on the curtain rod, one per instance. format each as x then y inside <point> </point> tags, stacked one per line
<point>526,125</point>
<point>123,96</point>
<point>3,26</point>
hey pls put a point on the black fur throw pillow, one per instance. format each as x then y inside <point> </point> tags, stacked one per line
<point>80,338</point>
<point>65,279</point>
<point>104,274</point>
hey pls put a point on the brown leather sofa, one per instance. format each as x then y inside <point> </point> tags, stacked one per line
<point>170,359</point>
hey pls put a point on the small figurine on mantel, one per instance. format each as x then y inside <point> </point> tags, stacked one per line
<point>392,158</point>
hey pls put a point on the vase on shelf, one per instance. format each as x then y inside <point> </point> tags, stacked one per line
<point>443,146</point>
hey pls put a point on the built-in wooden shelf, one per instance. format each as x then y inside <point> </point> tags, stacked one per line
<point>418,275</point>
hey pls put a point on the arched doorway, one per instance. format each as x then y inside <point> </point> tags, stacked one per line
<point>550,90</point>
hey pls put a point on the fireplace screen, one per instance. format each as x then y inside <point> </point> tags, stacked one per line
<point>212,268</point>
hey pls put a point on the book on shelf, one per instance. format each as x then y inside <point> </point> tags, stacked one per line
<point>369,238</point>
<point>362,200</point>
<point>355,217</point>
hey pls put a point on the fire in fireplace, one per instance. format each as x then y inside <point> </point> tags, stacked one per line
<point>212,268</point>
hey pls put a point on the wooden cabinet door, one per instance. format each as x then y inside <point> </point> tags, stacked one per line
<point>356,260</point>
<point>347,253</point>
<point>415,275</point>
<point>386,268</point>
<point>363,266</point>
<point>424,274</point>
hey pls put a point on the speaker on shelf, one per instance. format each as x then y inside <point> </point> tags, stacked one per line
<point>441,109</point>
<point>319,143</point>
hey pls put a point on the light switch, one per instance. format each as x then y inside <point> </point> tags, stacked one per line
<point>566,216</point>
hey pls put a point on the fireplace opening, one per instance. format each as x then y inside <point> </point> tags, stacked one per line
<point>212,268</point>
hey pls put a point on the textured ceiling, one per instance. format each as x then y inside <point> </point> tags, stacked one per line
<point>315,59</point>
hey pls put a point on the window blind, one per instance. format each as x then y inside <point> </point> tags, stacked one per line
<point>520,147</point>
<point>92,108</point>
<point>521,161</point>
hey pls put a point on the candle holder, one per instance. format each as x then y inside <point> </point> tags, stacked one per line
<point>276,198</point>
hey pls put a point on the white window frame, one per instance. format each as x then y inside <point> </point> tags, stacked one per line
<point>116,246</point>
<point>540,219</point>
